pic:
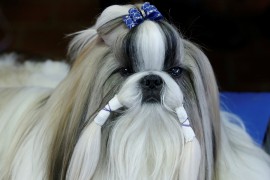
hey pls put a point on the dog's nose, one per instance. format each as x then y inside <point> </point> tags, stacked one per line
<point>151,88</point>
<point>151,82</point>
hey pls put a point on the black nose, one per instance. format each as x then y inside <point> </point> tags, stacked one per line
<point>151,82</point>
<point>151,88</point>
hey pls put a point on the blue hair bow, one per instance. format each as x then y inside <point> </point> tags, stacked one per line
<point>135,17</point>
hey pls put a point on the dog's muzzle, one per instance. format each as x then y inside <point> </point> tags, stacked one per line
<point>151,87</point>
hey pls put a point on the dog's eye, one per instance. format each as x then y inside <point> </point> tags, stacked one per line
<point>125,71</point>
<point>175,71</point>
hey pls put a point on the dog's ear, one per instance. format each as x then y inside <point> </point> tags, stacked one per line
<point>202,102</point>
<point>203,78</point>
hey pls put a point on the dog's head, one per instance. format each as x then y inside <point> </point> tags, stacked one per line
<point>153,70</point>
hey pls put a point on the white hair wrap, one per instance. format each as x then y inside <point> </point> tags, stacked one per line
<point>86,153</point>
<point>190,161</point>
<point>103,115</point>
<point>187,129</point>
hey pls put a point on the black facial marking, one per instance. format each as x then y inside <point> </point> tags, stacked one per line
<point>129,51</point>
<point>172,46</point>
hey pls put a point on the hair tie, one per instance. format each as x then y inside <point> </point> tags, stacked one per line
<point>187,129</point>
<point>151,12</point>
<point>135,17</point>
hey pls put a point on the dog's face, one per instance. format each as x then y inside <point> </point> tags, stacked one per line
<point>147,135</point>
<point>151,64</point>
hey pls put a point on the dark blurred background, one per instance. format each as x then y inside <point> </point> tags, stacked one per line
<point>235,35</point>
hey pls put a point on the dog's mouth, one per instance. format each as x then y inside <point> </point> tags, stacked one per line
<point>151,99</point>
<point>151,96</point>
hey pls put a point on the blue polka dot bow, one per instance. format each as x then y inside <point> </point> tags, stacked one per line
<point>135,17</point>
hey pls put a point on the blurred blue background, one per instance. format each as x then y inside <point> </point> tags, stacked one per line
<point>252,108</point>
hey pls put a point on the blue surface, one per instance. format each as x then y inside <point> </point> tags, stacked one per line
<point>252,108</point>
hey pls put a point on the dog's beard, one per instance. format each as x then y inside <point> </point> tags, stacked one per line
<point>145,143</point>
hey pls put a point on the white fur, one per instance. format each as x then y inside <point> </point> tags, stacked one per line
<point>22,87</point>
<point>82,164</point>
<point>41,74</point>
<point>14,115</point>
<point>240,157</point>
<point>148,136</point>
<point>151,47</point>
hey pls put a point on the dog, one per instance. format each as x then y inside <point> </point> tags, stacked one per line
<point>139,102</point>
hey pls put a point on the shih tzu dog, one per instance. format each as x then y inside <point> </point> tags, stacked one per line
<point>139,102</point>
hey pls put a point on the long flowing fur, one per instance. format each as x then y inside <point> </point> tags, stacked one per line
<point>151,158</point>
<point>41,126</point>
